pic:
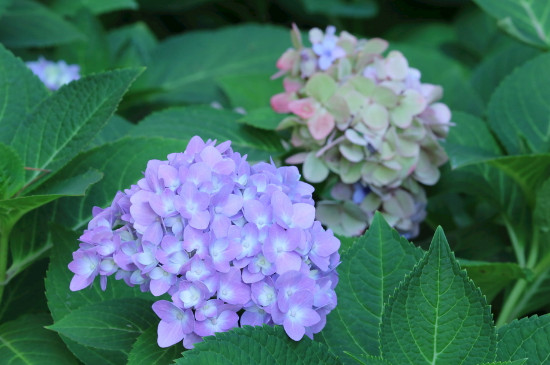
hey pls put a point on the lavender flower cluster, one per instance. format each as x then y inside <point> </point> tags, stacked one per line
<point>54,74</point>
<point>231,244</point>
<point>367,118</point>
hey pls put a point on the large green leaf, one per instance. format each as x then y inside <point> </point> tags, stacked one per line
<point>494,68</point>
<point>185,67</point>
<point>25,341</point>
<point>470,141</point>
<point>518,110</point>
<point>492,277</point>
<point>262,118</point>
<point>257,345</point>
<point>437,315</point>
<point>526,338</point>
<point>110,325</point>
<point>526,20</point>
<point>370,271</point>
<point>29,24</point>
<point>250,91</point>
<point>62,301</point>
<point>120,170</point>
<point>12,173</point>
<point>145,350</point>
<point>20,92</point>
<point>62,125</point>
<point>207,122</point>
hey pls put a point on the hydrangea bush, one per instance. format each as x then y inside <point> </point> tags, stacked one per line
<point>54,74</point>
<point>367,118</point>
<point>151,69</point>
<point>231,244</point>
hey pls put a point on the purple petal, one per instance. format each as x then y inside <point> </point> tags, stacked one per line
<point>200,220</point>
<point>288,261</point>
<point>169,333</point>
<point>303,215</point>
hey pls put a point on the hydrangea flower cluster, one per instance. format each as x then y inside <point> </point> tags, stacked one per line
<point>365,117</point>
<point>54,74</point>
<point>231,245</point>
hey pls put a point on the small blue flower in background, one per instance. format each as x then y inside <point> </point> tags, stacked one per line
<point>54,74</point>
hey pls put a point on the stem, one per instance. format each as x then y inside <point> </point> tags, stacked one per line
<point>4,240</point>
<point>522,292</point>
<point>518,247</point>
<point>510,305</point>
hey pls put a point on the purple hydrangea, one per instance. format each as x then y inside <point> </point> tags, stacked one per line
<point>54,74</point>
<point>231,244</point>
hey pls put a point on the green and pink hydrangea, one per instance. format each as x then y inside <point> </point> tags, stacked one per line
<point>364,115</point>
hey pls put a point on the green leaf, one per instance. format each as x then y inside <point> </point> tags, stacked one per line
<point>526,20</point>
<point>529,171</point>
<point>21,91</point>
<point>437,315</point>
<point>53,133</point>
<point>516,362</point>
<point>62,301</point>
<point>262,118</point>
<point>348,9</point>
<point>208,122</point>
<point>257,345</point>
<point>470,141</point>
<point>25,341</point>
<point>145,350</point>
<point>367,360</point>
<point>120,170</point>
<point>12,173</point>
<point>250,90</point>
<point>526,338</point>
<point>12,209</point>
<point>70,7</point>
<point>494,68</point>
<point>518,110</point>
<point>29,24</point>
<point>132,45</point>
<point>492,277</point>
<point>116,128</point>
<point>185,67</point>
<point>110,325</point>
<point>370,271</point>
